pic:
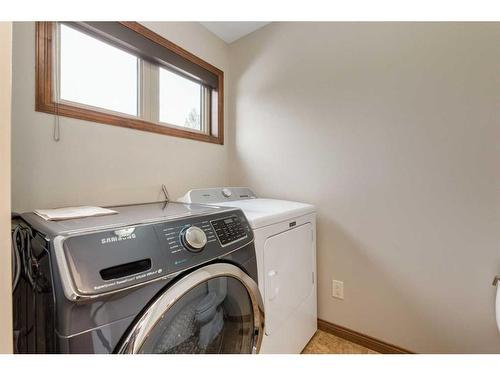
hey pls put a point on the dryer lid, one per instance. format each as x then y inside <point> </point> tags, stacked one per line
<point>261,212</point>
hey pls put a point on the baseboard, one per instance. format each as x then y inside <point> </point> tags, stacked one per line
<point>361,339</point>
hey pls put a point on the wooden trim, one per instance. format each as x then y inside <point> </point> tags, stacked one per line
<point>361,339</point>
<point>158,39</point>
<point>45,102</point>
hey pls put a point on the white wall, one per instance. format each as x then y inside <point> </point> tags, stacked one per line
<point>393,131</point>
<point>5,261</point>
<point>103,164</point>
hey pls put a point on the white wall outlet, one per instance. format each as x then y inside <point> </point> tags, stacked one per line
<point>338,289</point>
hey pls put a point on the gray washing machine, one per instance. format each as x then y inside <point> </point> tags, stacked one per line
<point>154,278</point>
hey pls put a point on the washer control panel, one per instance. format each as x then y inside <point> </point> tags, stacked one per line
<point>114,259</point>
<point>229,230</point>
<point>194,238</point>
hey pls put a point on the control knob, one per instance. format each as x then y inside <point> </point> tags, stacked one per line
<point>226,192</point>
<point>194,239</point>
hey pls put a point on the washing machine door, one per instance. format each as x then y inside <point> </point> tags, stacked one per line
<point>215,309</point>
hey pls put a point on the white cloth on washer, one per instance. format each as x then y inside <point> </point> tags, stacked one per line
<point>66,213</point>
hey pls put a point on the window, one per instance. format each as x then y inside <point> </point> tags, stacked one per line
<point>94,73</point>
<point>122,74</point>
<point>180,101</point>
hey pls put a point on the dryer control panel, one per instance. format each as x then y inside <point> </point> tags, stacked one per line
<point>217,195</point>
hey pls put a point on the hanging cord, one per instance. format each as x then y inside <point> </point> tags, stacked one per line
<point>16,258</point>
<point>56,133</point>
<point>26,262</point>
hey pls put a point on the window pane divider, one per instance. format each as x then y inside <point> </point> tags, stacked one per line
<point>149,93</point>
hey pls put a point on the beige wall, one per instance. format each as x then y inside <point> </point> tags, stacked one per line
<point>102,164</point>
<point>393,131</point>
<point>390,129</point>
<point>5,261</point>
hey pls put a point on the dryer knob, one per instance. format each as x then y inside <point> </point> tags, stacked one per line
<point>226,192</point>
<point>194,239</point>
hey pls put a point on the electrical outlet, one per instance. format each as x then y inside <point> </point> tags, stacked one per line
<point>338,289</point>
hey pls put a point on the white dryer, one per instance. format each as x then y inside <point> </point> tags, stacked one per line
<point>285,245</point>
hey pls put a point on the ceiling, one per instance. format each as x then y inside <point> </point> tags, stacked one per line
<point>232,31</point>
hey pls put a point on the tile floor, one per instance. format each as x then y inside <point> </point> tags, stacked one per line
<point>326,343</point>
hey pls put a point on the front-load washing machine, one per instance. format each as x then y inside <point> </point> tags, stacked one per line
<point>285,242</point>
<point>154,278</point>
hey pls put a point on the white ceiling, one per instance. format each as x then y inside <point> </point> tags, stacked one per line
<point>232,31</point>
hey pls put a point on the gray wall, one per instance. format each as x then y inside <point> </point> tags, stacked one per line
<point>393,131</point>
<point>103,164</point>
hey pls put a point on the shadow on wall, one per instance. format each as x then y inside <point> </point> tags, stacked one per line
<point>244,60</point>
<point>344,258</point>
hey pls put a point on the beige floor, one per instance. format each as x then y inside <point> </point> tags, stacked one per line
<point>326,343</point>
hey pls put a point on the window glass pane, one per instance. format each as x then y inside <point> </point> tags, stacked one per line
<point>95,73</point>
<point>180,100</point>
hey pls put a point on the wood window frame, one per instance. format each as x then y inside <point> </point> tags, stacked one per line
<point>45,96</point>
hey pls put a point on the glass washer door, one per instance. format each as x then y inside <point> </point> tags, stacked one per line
<point>215,309</point>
